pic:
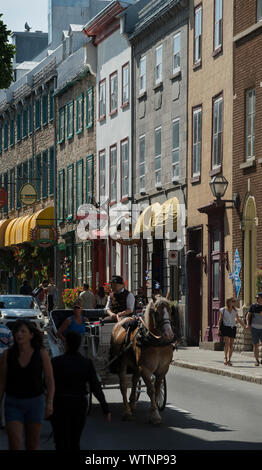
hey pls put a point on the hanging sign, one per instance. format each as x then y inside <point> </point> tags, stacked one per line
<point>28,194</point>
<point>236,271</point>
<point>44,236</point>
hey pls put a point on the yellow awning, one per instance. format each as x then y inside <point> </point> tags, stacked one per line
<point>166,220</point>
<point>8,232</point>
<point>19,229</point>
<point>146,221</point>
<point>3,225</point>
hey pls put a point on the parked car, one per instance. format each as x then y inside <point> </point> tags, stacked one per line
<point>20,307</point>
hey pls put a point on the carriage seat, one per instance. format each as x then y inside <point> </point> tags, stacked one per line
<point>59,316</point>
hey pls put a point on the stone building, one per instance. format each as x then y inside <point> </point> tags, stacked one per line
<point>210,117</point>
<point>159,42</point>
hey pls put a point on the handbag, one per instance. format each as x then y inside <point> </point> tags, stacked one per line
<point>222,326</point>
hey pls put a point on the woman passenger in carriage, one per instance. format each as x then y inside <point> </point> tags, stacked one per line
<point>75,322</point>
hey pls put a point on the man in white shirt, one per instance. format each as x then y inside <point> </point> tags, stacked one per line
<point>87,298</point>
<point>120,302</point>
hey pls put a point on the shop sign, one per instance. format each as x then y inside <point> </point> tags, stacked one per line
<point>28,194</point>
<point>44,236</point>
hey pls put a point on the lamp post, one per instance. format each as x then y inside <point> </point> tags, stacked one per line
<point>218,186</point>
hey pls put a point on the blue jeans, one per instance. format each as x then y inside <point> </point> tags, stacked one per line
<point>25,410</point>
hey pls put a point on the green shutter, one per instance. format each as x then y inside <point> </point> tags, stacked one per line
<point>51,171</point>
<point>37,114</point>
<point>12,189</point>
<point>79,113</point>
<point>51,104</point>
<point>30,112</point>
<point>90,179</point>
<point>70,120</point>
<point>79,183</point>
<point>6,135</point>
<point>61,196</point>
<point>44,109</point>
<point>31,171</point>
<point>70,192</point>
<point>25,122</point>
<point>89,107</point>
<point>38,175</point>
<point>45,174</point>
<point>61,130</point>
<point>18,126</point>
<point>12,132</point>
<point>6,189</point>
<point>18,185</point>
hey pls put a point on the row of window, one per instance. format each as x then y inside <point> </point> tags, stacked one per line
<point>71,188</point>
<point>38,170</point>
<point>218,28</point>
<point>30,116</point>
<point>113,92</point>
<point>217,137</point>
<point>113,171</point>
<point>71,116</point>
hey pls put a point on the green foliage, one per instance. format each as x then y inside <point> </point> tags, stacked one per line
<point>7,52</point>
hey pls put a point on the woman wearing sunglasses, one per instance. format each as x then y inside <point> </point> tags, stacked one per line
<point>227,327</point>
<point>75,322</point>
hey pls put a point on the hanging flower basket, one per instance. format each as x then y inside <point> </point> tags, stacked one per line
<point>69,296</point>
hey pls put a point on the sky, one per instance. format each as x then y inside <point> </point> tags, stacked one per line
<point>17,12</point>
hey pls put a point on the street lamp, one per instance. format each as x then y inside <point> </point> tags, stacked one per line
<point>218,186</point>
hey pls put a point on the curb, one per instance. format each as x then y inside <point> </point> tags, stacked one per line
<point>213,370</point>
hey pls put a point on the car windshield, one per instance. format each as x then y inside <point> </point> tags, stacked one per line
<point>11,302</point>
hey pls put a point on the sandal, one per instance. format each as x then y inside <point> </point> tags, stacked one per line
<point>257,363</point>
<point>229,363</point>
<point>225,362</point>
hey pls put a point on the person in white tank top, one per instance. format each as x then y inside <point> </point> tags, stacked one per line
<point>227,327</point>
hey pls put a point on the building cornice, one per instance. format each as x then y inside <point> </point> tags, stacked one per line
<point>255,27</point>
<point>104,19</point>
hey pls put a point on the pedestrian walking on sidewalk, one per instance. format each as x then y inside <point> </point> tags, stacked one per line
<point>6,342</point>
<point>254,321</point>
<point>72,372</point>
<point>22,369</point>
<point>227,327</point>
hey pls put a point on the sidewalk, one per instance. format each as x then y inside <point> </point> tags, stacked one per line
<point>213,361</point>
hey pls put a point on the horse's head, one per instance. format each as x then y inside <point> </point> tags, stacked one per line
<point>158,314</point>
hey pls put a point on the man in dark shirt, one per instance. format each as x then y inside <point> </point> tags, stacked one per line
<point>254,321</point>
<point>71,373</point>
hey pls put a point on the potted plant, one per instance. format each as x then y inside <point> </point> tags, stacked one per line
<point>69,296</point>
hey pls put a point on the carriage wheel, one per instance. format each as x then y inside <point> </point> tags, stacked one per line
<point>161,401</point>
<point>89,400</point>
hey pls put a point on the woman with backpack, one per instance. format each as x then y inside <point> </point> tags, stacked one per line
<point>227,327</point>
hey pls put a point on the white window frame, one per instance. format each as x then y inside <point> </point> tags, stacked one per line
<point>102,100</point>
<point>124,155</point>
<point>259,10</point>
<point>125,84</point>
<point>142,75</point>
<point>175,151</point>
<point>113,87</point>
<point>217,132</point>
<point>158,158</point>
<point>250,128</point>
<point>197,141</point>
<point>177,53</point>
<point>218,26</point>
<point>198,34</point>
<point>142,164</point>
<point>102,174</point>
<point>159,64</point>
<point>113,173</point>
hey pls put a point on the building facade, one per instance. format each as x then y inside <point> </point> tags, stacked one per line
<point>159,42</point>
<point>247,156</point>
<point>113,190</point>
<point>210,113</point>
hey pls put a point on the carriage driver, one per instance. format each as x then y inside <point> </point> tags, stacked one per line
<point>120,302</point>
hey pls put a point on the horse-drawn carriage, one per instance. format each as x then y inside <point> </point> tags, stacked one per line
<point>96,346</point>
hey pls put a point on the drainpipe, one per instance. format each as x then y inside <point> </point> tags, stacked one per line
<point>55,181</point>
